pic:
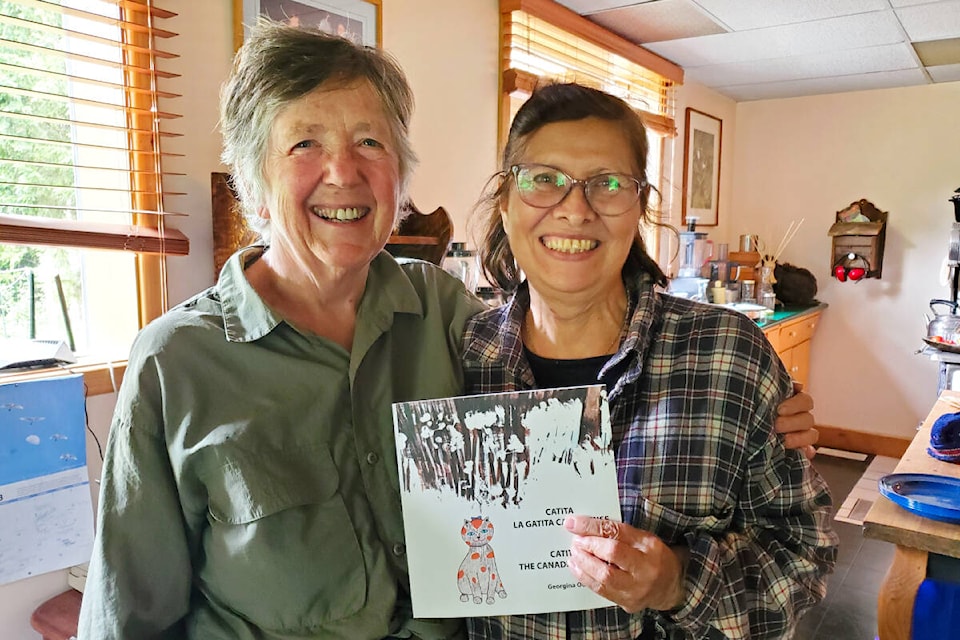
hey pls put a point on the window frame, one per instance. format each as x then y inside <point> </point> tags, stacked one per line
<point>148,236</point>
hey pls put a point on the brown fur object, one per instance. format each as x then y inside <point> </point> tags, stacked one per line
<point>794,285</point>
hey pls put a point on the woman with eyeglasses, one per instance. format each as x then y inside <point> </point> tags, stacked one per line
<point>725,533</point>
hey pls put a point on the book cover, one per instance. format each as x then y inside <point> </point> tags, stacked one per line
<point>486,483</point>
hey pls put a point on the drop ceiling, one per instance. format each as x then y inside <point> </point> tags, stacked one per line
<point>764,49</point>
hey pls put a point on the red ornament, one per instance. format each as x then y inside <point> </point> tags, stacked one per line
<point>840,273</point>
<point>856,273</point>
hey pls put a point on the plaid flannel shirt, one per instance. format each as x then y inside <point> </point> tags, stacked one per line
<point>693,393</point>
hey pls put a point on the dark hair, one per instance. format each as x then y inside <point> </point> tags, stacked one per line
<point>278,64</point>
<point>549,104</point>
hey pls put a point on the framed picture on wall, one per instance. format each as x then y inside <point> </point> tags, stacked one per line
<point>701,168</point>
<point>357,20</point>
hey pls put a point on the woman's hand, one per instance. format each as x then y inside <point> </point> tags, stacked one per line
<point>630,567</point>
<point>795,422</point>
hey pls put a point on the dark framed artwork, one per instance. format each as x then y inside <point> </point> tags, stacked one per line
<point>701,168</point>
<point>356,20</point>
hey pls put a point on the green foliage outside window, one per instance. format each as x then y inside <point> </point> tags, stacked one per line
<point>36,168</point>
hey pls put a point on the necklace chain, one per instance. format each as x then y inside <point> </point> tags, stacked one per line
<point>613,347</point>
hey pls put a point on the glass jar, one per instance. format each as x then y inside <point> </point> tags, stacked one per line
<point>748,291</point>
<point>461,263</point>
<point>768,299</point>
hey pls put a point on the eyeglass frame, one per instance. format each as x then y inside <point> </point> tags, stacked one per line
<point>573,182</point>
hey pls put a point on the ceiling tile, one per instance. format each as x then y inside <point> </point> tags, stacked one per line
<point>931,21</point>
<point>835,34</point>
<point>740,15</point>
<point>817,65</point>
<point>934,53</point>
<point>656,21</point>
<point>907,3</point>
<point>945,73</point>
<point>583,7</point>
<point>817,86</point>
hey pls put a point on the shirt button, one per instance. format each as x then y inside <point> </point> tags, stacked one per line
<point>399,549</point>
<point>372,458</point>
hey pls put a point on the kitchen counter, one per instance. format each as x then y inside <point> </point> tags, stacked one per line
<point>790,330</point>
<point>785,313</point>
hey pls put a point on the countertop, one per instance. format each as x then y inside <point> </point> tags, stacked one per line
<point>784,313</point>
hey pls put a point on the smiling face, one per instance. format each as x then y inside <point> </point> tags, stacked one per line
<point>568,248</point>
<point>333,181</point>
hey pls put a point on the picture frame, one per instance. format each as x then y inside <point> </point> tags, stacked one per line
<point>703,138</point>
<point>358,20</point>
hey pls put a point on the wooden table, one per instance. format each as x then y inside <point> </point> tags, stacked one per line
<point>914,536</point>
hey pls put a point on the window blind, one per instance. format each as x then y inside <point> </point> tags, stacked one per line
<point>83,117</point>
<point>545,41</point>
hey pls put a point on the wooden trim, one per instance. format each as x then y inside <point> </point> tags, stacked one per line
<point>523,83</point>
<point>516,80</point>
<point>861,441</point>
<point>146,185</point>
<point>96,376</point>
<point>91,235</point>
<point>564,18</point>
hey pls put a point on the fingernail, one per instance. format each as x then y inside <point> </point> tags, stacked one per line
<point>568,523</point>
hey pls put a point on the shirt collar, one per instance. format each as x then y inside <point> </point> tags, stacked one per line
<point>246,317</point>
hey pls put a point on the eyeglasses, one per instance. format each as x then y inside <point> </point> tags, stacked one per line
<point>608,194</point>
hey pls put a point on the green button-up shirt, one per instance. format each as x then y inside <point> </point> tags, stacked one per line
<point>250,484</point>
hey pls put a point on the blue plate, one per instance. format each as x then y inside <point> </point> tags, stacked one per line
<point>930,496</point>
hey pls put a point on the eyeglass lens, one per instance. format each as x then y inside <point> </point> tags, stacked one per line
<point>543,186</point>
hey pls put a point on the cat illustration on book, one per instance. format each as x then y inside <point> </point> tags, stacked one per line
<point>478,575</point>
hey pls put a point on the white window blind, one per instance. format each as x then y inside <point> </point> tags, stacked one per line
<point>81,128</point>
<point>84,113</point>
<point>545,41</point>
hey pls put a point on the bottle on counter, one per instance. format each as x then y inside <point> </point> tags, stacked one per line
<point>718,292</point>
<point>462,263</point>
<point>720,268</point>
<point>748,291</point>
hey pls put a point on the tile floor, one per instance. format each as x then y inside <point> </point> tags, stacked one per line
<point>849,612</point>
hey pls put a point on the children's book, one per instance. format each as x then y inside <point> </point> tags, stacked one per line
<point>486,483</point>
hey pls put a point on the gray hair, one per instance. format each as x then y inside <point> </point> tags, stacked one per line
<point>278,64</point>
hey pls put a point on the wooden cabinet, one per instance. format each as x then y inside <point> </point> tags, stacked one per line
<point>791,340</point>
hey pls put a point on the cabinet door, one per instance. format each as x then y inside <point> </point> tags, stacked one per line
<point>773,336</point>
<point>798,362</point>
<point>801,330</point>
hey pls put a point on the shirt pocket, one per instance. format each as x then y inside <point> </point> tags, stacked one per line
<point>672,525</point>
<point>280,549</point>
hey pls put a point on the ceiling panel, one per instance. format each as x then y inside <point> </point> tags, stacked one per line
<point>655,21</point>
<point>931,21</point>
<point>741,15</point>
<point>584,7</point>
<point>945,73</point>
<point>817,86</point>
<point>892,57</point>
<point>867,30</point>
<point>759,49</point>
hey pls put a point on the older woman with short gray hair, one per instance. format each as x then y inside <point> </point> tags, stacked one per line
<point>249,486</point>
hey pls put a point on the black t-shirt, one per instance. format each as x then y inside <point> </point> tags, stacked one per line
<point>551,373</point>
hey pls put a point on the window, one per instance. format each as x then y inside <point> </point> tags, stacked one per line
<point>83,212</point>
<point>543,41</point>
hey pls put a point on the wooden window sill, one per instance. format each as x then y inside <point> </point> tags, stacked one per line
<point>97,379</point>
